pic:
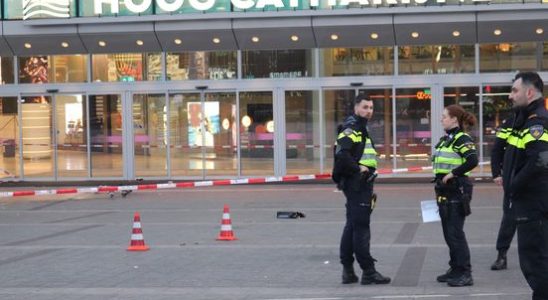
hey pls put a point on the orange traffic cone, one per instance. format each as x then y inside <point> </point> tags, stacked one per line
<point>226,233</point>
<point>137,241</point>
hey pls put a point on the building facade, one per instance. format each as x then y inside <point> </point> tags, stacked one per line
<point>174,89</point>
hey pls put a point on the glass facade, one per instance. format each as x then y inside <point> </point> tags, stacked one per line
<point>508,57</point>
<point>201,65</point>
<point>357,61</point>
<point>173,129</point>
<point>126,67</point>
<point>277,64</point>
<point>53,69</point>
<point>436,59</point>
<point>414,127</point>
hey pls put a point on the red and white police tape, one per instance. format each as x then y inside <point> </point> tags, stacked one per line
<point>171,185</point>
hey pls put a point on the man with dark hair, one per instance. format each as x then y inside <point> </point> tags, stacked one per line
<point>354,172</point>
<point>525,179</point>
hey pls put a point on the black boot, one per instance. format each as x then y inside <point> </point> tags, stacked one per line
<point>500,263</point>
<point>444,277</point>
<point>370,277</point>
<point>348,275</point>
<point>463,279</point>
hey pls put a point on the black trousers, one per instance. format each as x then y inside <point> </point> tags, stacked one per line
<point>507,228</point>
<point>452,222</point>
<point>357,234</point>
<point>533,256</point>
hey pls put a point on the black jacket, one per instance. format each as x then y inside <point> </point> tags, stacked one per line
<point>497,152</point>
<point>525,169</point>
<point>348,152</point>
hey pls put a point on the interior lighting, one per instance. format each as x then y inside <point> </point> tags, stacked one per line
<point>64,44</point>
<point>28,45</point>
<point>102,43</point>
<point>216,40</point>
<point>294,38</point>
<point>334,37</point>
<point>497,32</point>
<point>374,35</point>
<point>415,34</point>
<point>539,31</point>
<point>456,33</point>
<point>139,42</point>
<point>255,39</point>
<point>177,41</point>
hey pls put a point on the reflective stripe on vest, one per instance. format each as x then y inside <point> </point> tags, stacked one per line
<point>504,133</point>
<point>369,156</point>
<point>355,136</point>
<point>521,139</point>
<point>446,158</point>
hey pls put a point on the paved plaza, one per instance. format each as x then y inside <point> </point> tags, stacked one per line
<point>74,247</point>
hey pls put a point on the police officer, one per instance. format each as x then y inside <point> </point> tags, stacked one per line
<point>454,157</point>
<point>508,223</point>
<point>354,170</point>
<point>525,178</point>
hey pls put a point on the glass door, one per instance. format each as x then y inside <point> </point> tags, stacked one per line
<point>203,132</point>
<point>71,136</point>
<point>106,135</point>
<point>149,112</point>
<point>37,137</point>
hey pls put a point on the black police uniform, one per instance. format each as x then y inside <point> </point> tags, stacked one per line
<point>508,224</point>
<point>358,191</point>
<point>525,178</point>
<point>454,205</point>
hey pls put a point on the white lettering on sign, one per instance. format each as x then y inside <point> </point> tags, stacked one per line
<point>50,8</point>
<point>113,6</point>
<point>199,5</point>
<point>263,3</point>
<point>137,8</point>
<point>98,6</point>
<point>243,4</point>
<point>169,7</point>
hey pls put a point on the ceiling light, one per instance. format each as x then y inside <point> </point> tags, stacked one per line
<point>28,45</point>
<point>334,37</point>
<point>139,42</point>
<point>64,44</point>
<point>102,43</point>
<point>294,38</point>
<point>374,35</point>
<point>216,40</point>
<point>497,32</point>
<point>539,31</point>
<point>177,41</point>
<point>255,39</point>
<point>415,34</point>
<point>456,33</point>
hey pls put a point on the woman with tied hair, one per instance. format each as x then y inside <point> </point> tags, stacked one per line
<point>454,157</point>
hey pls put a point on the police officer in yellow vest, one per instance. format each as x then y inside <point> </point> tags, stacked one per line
<point>525,178</point>
<point>508,224</point>
<point>354,171</point>
<point>454,157</point>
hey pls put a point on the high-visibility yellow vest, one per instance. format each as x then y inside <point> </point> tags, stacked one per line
<point>448,157</point>
<point>369,156</point>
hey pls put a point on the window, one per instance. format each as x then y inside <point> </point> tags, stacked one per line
<point>357,61</point>
<point>201,65</point>
<point>277,64</point>
<point>53,69</point>
<point>126,67</point>
<point>506,57</point>
<point>436,59</point>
